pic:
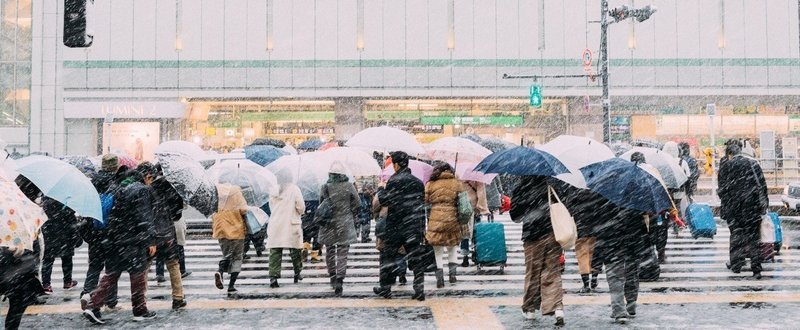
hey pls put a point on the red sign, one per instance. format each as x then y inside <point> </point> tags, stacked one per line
<point>587,57</point>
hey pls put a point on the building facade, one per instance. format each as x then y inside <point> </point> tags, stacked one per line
<point>222,73</point>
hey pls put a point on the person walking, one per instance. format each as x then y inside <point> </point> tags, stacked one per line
<point>18,283</point>
<point>404,195</point>
<point>477,198</point>
<point>131,238</point>
<point>694,173</point>
<point>312,250</point>
<point>228,227</point>
<point>583,206</point>
<point>60,240</point>
<point>340,231</point>
<point>380,213</point>
<point>743,196</point>
<point>444,231</point>
<point>365,213</point>
<point>285,229</point>
<point>543,291</point>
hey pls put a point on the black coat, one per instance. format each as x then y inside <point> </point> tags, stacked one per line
<point>60,230</point>
<point>131,228</point>
<point>742,191</point>
<point>18,279</point>
<point>585,206</point>
<point>404,196</point>
<point>620,228</point>
<point>167,208</point>
<point>530,201</point>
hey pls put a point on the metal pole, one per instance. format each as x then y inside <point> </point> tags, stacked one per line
<point>604,69</point>
<point>713,161</point>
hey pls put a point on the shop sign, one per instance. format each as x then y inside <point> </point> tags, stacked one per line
<point>494,120</point>
<point>620,125</point>
<point>122,110</point>
<point>304,116</point>
<point>411,115</point>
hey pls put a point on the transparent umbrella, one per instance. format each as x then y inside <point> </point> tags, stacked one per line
<point>669,167</point>
<point>181,147</point>
<point>307,171</point>
<point>357,162</point>
<point>190,180</point>
<point>386,139</point>
<point>257,183</point>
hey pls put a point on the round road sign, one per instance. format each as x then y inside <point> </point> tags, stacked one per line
<point>587,57</point>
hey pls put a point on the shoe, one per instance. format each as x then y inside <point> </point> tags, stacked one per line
<point>297,278</point>
<point>338,286</point>
<point>112,309</point>
<point>93,316</point>
<point>218,280</point>
<point>419,293</point>
<point>465,262</point>
<point>48,289</point>
<point>232,292</point>
<point>178,304</point>
<point>621,320</point>
<point>757,275</point>
<point>402,279</point>
<point>385,292</point>
<point>315,257</point>
<point>585,290</point>
<point>186,274</point>
<point>273,283</point>
<point>439,278</point>
<point>734,270</point>
<point>246,257</point>
<point>559,317</point>
<point>84,300</point>
<point>259,253</point>
<point>160,279</point>
<point>452,272</point>
<point>304,252</point>
<point>593,284</point>
<point>149,315</point>
<point>71,285</point>
<point>529,315</point>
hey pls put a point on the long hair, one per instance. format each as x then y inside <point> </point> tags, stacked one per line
<point>440,167</point>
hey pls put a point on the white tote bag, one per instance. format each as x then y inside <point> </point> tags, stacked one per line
<point>564,227</point>
<point>767,229</point>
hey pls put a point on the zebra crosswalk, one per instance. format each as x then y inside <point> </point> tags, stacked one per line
<point>692,266</point>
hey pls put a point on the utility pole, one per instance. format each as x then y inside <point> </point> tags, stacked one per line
<point>604,70</point>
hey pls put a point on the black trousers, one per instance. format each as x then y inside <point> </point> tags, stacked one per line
<point>97,261</point>
<point>392,261</point>
<point>16,307</point>
<point>745,240</point>
<point>47,269</point>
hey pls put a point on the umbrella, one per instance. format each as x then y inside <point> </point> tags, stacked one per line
<point>312,144</point>
<point>191,181</point>
<point>7,172</point>
<point>620,148</point>
<point>268,142</point>
<point>471,137</point>
<point>307,171</point>
<point>669,167</point>
<point>454,150</point>
<point>386,139</point>
<point>419,169</point>
<point>466,172</point>
<point>21,218</point>
<point>181,147</point>
<point>577,151</point>
<point>627,185</point>
<point>496,145</point>
<point>257,182</point>
<point>522,161</point>
<point>357,162</point>
<point>291,150</point>
<point>63,182</point>
<point>263,154</point>
<point>81,162</point>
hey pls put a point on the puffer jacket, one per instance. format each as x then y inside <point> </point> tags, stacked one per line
<point>442,195</point>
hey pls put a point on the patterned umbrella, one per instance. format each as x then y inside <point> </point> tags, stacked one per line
<point>20,219</point>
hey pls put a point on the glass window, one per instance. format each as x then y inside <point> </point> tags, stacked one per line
<point>15,62</point>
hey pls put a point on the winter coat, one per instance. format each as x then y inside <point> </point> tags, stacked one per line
<point>742,191</point>
<point>530,202</point>
<point>131,227</point>
<point>18,279</point>
<point>60,230</point>
<point>168,208</point>
<point>477,198</point>
<point>493,201</point>
<point>404,195</point>
<point>584,205</point>
<point>227,222</point>
<point>694,174</point>
<point>621,227</point>
<point>285,228</point>
<point>442,196</point>
<point>345,204</point>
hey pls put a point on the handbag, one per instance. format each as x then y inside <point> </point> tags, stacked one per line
<point>564,228</point>
<point>465,210</point>
<point>255,218</point>
<point>767,229</point>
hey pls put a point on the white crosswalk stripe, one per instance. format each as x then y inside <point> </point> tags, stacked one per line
<point>692,266</point>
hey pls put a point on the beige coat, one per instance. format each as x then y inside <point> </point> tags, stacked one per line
<point>228,222</point>
<point>285,228</point>
<point>442,195</point>
<point>477,198</point>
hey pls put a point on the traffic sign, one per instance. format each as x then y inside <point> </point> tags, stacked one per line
<point>711,109</point>
<point>587,57</point>
<point>536,96</point>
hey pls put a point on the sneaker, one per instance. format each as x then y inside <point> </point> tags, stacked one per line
<point>383,292</point>
<point>84,300</point>
<point>559,317</point>
<point>529,315</point>
<point>186,274</point>
<point>178,304</point>
<point>71,285</point>
<point>621,320</point>
<point>585,290</point>
<point>93,316</point>
<point>112,309</point>
<point>149,315</point>
<point>218,280</point>
<point>160,279</point>
<point>48,289</point>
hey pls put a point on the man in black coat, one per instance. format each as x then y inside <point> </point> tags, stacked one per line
<point>404,196</point>
<point>743,195</point>
<point>132,241</point>
<point>60,240</point>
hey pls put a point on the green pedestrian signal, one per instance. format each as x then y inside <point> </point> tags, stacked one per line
<point>536,96</point>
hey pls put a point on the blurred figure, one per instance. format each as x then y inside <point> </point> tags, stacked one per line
<point>340,232</point>
<point>365,214</point>
<point>380,213</point>
<point>709,166</point>
<point>493,198</point>
<point>694,173</point>
<point>18,283</point>
<point>477,198</point>
<point>229,229</point>
<point>60,240</point>
<point>285,229</point>
<point>444,231</point>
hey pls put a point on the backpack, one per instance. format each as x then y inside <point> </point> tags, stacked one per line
<point>106,204</point>
<point>464,207</point>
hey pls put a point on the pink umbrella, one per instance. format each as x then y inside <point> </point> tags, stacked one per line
<point>419,169</point>
<point>466,172</point>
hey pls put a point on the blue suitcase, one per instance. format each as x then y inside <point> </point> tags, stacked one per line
<point>776,221</point>
<point>490,245</point>
<point>701,220</point>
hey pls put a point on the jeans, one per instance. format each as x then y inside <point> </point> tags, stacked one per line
<point>745,240</point>
<point>452,255</point>
<point>47,269</point>
<point>543,288</point>
<point>336,259</point>
<point>275,255</point>
<point>622,275</point>
<point>108,286</point>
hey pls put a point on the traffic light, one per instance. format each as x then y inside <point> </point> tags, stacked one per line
<point>536,96</point>
<point>78,32</point>
<point>644,13</point>
<point>620,13</point>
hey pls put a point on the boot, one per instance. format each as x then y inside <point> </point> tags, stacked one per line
<point>594,281</point>
<point>419,292</point>
<point>273,282</point>
<point>304,253</point>
<point>333,280</point>
<point>439,279</point>
<point>662,256</point>
<point>383,291</point>
<point>453,267</point>
<point>465,262</point>
<point>338,286</point>
<point>585,280</point>
<point>232,282</point>
<point>223,265</point>
<point>315,257</point>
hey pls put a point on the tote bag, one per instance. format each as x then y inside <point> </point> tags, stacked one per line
<point>564,227</point>
<point>767,229</point>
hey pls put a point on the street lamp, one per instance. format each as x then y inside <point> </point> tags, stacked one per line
<point>619,14</point>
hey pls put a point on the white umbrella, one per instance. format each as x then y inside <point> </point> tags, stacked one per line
<point>577,151</point>
<point>466,172</point>
<point>455,150</point>
<point>386,139</point>
<point>669,167</point>
<point>257,183</point>
<point>181,147</point>
<point>291,150</point>
<point>307,171</point>
<point>7,172</point>
<point>357,162</point>
<point>63,182</point>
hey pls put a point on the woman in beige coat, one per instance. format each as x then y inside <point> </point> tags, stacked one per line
<point>285,230</point>
<point>228,226</point>
<point>444,231</point>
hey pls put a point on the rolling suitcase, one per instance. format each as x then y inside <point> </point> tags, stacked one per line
<point>776,221</point>
<point>490,245</point>
<point>701,220</point>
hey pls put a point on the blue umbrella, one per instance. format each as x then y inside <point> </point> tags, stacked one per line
<point>63,182</point>
<point>627,185</point>
<point>313,144</point>
<point>522,161</point>
<point>263,154</point>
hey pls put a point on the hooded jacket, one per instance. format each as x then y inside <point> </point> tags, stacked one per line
<point>345,204</point>
<point>131,227</point>
<point>742,191</point>
<point>227,222</point>
<point>442,195</point>
<point>285,228</point>
<point>167,208</point>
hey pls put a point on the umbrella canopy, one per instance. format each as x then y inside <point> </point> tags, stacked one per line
<point>312,144</point>
<point>291,150</point>
<point>306,170</point>
<point>522,161</point>
<point>419,169</point>
<point>620,148</point>
<point>63,182</point>
<point>466,172</point>
<point>577,151</point>
<point>627,185</point>
<point>263,154</point>
<point>669,167</point>
<point>386,139</point>
<point>181,147</point>
<point>81,162</point>
<point>257,183</point>
<point>471,137</point>
<point>455,150</point>
<point>496,145</point>
<point>357,162</point>
<point>21,218</point>
<point>7,172</point>
<point>268,142</point>
<point>190,180</point>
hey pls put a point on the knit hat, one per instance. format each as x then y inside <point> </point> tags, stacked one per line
<point>338,168</point>
<point>110,163</point>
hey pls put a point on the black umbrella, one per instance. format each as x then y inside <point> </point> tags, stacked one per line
<point>268,142</point>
